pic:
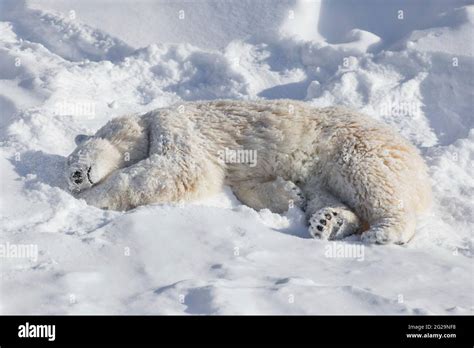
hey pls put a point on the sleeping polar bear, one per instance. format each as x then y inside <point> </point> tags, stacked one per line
<point>348,172</point>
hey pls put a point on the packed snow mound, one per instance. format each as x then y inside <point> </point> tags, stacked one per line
<point>66,67</point>
<point>206,24</point>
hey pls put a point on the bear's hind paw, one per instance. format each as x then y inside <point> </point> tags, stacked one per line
<point>333,223</point>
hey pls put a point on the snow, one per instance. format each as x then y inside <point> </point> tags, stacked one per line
<point>66,67</point>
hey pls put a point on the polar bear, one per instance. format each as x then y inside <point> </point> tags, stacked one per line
<point>349,173</point>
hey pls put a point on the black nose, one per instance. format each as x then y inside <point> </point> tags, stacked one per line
<point>77,177</point>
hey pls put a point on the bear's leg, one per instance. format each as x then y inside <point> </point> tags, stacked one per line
<point>330,219</point>
<point>381,184</point>
<point>398,228</point>
<point>277,195</point>
<point>157,179</point>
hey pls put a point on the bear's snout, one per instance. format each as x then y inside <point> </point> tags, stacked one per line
<point>77,177</point>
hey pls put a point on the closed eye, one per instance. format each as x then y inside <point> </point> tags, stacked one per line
<point>89,175</point>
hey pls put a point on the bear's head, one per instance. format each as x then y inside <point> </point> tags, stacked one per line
<point>121,142</point>
<point>91,162</point>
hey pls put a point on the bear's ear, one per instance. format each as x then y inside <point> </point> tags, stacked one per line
<point>81,138</point>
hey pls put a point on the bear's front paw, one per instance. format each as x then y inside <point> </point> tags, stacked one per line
<point>333,223</point>
<point>291,193</point>
<point>95,197</point>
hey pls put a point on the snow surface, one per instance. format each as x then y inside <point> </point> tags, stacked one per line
<point>67,67</point>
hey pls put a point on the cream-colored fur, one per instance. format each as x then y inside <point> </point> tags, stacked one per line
<point>345,169</point>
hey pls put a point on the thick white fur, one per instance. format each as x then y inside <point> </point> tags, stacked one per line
<point>331,161</point>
